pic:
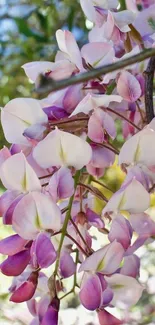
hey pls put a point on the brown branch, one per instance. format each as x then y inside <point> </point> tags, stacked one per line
<point>149,75</point>
<point>46,84</point>
<point>80,235</point>
<point>77,244</point>
<point>123,117</point>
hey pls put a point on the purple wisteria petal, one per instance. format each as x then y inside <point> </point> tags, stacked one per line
<point>107,296</point>
<point>43,253</point>
<point>26,290</point>
<point>94,219</point>
<point>61,184</point>
<point>128,87</point>
<point>72,98</point>
<point>6,199</point>
<point>67,265</point>
<point>12,245</point>
<point>100,122</point>
<point>55,112</point>
<point>51,316</point>
<point>91,292</point>
<point>15,264</point>
<point>105,318</point>
<point>7,217</point>
<point>101,157</point>
<point>142,224</point>
<point>131,266</point>
<point>35,132</point>
<point>121,231</point>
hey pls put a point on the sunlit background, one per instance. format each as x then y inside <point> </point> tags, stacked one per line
<point>27,33</point>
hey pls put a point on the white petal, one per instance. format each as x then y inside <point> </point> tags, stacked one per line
<point>17,174</point>
<point>91,101</point>
<point>62,149</point>
<point>18,115</point>
<point>33,69</point>
<point>35,212</point>
<point>127,290</point>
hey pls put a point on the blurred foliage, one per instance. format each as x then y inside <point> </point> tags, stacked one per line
<point>27,33</point>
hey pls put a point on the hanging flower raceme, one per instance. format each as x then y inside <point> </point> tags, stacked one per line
<point>62,192</point>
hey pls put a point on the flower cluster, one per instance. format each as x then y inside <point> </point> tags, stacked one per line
<point>60,148</point>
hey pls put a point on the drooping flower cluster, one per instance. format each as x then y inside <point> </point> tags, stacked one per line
<point>60,146</point>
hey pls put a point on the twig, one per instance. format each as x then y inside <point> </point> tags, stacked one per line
<point>149,75</point>
<point>80,235</point>
<point>95,191</point>
<point>123,117</point>
<point>67,218</point>
<point>105,145</point>
<point>77,244</point>
<point>140,111</point>
<point>46,84</point>
<point>101,184</point>
<point>70,120</point>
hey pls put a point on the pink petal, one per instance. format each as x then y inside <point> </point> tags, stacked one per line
<point>97,53</point>
<point>142,224</point>
<point>15,264</point>
<point>131,266</point>
<point>7,217</point>
<point>101,157</point>
<point>72,97</point>
<point>128,87</point>
<point>12,245</point>
<point>67,265</point>
<point>95,129</point>
<point>107,122</point>
<point>26,290</point>
<point>36,212</point>
<point>43,252</point>
<point>6,199</point>
<point>4,154</point>
<point>67,44</point>
<point>94,219</point>
<point>105,318</point>
<point>61,184</point>
<point>94,171</point>
<point>91,292</point>
<point>121,231</point>
<point>51,316</point>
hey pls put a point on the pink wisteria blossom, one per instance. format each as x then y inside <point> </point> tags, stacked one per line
<point>59,193</point>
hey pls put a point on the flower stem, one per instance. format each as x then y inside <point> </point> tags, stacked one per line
<point>123,117</point>
<point>67,218</point>
<point>77,244</point>
<point>80,235</point>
